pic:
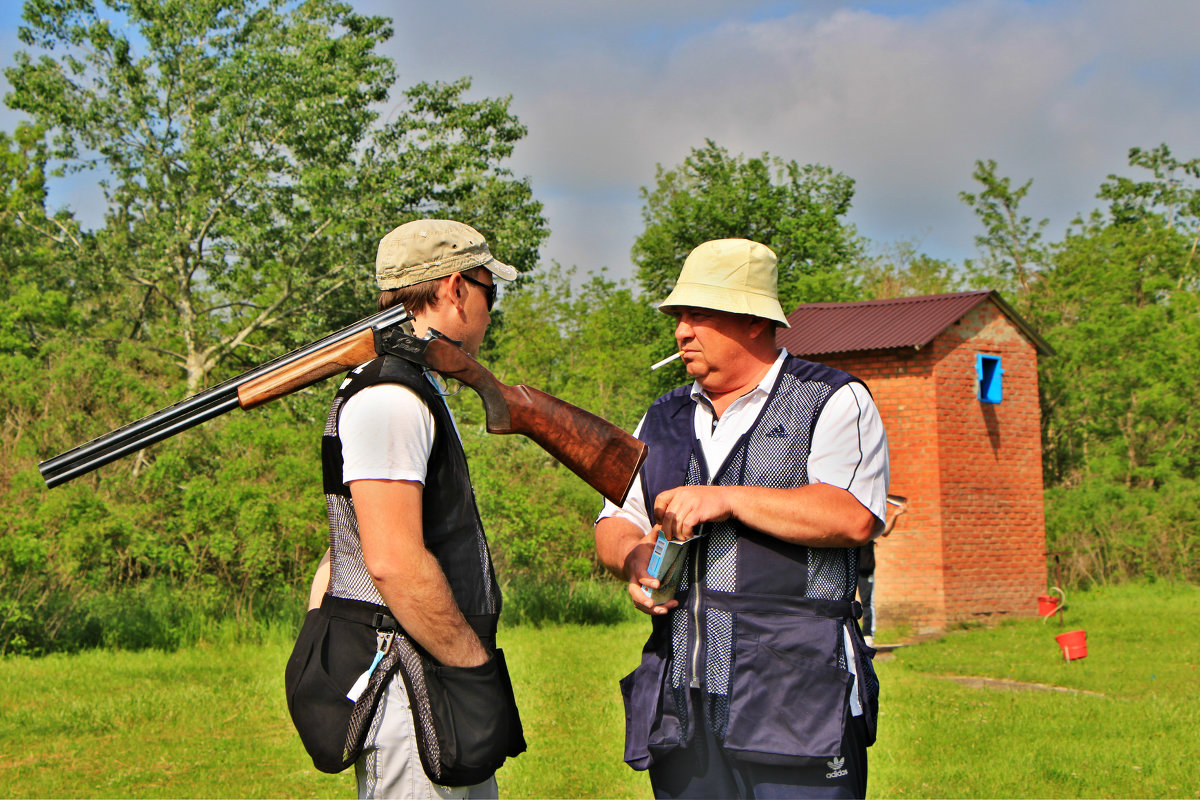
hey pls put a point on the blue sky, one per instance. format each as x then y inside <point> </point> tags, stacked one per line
<point>901,96</point>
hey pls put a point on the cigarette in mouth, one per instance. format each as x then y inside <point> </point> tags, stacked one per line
<point>665,361</point>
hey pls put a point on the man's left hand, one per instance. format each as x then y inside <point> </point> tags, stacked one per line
<point>682,510</point>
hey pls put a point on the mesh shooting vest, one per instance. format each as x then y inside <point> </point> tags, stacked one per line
<point>453,534</point>
<point>745,576</point>
<point>452,528</point>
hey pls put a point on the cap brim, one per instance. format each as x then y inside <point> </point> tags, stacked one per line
<point>719,298</point>
<point>501,270</point>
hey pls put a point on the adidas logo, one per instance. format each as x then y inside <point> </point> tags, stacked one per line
<point>837,768</point>
<point>777,432</point>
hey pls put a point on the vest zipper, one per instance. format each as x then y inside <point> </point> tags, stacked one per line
<point>695,684</point>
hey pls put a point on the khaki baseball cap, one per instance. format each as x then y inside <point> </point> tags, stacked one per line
<point>734,275</point>
<point>425,249</point>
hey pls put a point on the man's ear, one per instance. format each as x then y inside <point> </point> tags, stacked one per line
<point>760,326</point>
<point>454,290</point>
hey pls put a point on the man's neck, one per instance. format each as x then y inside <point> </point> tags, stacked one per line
<point>745,383</point>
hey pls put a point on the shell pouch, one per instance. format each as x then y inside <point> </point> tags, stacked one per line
<point>329,655</point>
<point>789,699</point>
<point>653,726</point>
<point>473,724</point>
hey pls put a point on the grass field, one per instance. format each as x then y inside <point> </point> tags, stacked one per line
<point>210,721</point>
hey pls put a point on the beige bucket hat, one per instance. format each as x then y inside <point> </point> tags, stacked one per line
<point>734,275</point>
<point>425,249</point>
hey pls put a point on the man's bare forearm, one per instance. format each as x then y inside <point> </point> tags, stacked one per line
<point>816,515</point>
<point>410,580</point>
<point>421,600</point>
<point>616,540</point>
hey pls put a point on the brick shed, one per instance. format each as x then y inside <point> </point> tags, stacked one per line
<point>955,379</point>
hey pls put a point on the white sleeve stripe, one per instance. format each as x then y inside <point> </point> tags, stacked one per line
<point>858,431</point>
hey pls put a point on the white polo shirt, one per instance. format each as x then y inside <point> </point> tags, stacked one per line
<point>849,446</point>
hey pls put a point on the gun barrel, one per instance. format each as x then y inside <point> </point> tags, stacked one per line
<point>190,411</point>
<point>64,469</point>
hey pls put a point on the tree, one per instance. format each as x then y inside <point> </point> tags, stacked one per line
<point>1168,196</point>
<point>247,179</point>
<point>798,211</point>
<point>592,346</point>
<point>1127,282</point>
<point>1012,243</point>
<point>901,270</point>
<point>39,290</point>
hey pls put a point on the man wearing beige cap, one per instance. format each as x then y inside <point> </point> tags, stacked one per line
<point>756,681</point>
<point>408,555</point>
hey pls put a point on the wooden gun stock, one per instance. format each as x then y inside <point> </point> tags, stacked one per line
<point>604,456</point>
<point>339,357</point>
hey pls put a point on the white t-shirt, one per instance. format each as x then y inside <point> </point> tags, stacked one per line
<point>387,434</point>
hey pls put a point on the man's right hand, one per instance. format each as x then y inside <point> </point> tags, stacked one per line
<point>637,571</point>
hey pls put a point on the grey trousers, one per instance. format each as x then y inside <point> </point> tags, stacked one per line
<point>390,766</point>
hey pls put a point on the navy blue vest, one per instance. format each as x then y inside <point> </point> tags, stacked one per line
<point>759,628</point>
<point>774,452</point>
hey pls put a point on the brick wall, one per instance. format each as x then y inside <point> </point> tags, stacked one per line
<point>972,543</point>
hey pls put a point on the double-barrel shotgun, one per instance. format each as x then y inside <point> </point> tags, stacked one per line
<point>604,456</point>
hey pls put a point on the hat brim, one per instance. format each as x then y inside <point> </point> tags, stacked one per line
<point>719,298</point>
<point>501,270</point>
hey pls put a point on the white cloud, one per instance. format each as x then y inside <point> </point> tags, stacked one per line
<point>903,97</point>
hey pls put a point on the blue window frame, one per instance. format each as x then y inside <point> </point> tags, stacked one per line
<point>989,372</point>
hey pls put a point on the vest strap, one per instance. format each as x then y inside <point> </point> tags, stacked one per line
<point>745,603</point>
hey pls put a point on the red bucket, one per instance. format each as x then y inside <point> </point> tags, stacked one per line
<point>1073,644</point>
<point>1047,605</point>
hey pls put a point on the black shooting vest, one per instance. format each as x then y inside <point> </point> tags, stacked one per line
<point>465,719</point>
<point>759,634</point>
<point>450,519</point>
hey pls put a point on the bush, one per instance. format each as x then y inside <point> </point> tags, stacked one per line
<point>1113,533</point>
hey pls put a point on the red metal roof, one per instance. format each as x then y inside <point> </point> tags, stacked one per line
<point>821,328</point>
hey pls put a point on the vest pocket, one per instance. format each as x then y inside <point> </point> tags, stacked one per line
<point>475,719</point>
<point>652,723</point>
<point>325,660</point>
<point>786,706</point>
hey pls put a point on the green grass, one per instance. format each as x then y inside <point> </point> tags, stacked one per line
<point>942,739</point>
<point>210,721</point>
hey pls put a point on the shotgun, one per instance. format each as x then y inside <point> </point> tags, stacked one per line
<point>604,456</point>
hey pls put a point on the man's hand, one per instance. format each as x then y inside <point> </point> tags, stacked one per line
<point>681,511</point>
<point>625,549</point>
<point>636,568</point>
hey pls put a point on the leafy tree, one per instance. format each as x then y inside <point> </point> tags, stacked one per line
<point>1011,243</point>
<point>248,178</point>
<point>246,175</point>
<point>592,346</point>
<point>1126,282</point>
<point>1120,303</point>
<point>40,291</point>
<point>901,270</point>
<point>796,210</point>
<point>1168,196</point>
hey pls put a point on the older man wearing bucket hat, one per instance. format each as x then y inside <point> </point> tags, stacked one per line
<point>767,472</point>
<point>409,564</point>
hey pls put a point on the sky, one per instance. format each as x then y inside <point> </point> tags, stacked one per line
<point>903,97</point>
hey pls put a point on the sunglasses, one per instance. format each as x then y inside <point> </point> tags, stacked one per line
<point>489,289</point>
